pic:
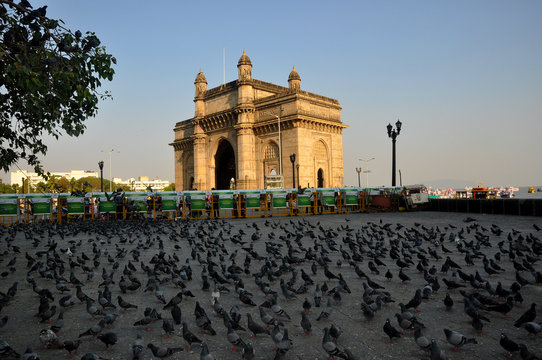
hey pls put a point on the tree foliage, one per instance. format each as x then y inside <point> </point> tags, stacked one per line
<point>49,81</point>
<point>6,189</point>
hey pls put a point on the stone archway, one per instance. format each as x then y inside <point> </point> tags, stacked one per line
<point>224,165</point>
<point>320,178</point>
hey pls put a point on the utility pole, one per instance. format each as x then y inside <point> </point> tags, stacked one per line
<point>359,180</point>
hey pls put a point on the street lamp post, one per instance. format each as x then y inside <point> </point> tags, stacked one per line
<point>359,180</point>
<point>367,171</point>
<point>298,183</point>
<point>101,165</point>
<point>292,159</point>
<point>280,140</point>
<point>393,133</point>
<point>110,166</point>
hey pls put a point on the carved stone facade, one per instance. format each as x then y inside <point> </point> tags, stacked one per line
<point>235,134</point>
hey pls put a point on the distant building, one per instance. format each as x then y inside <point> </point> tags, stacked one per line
<point>143,183</point>
<point>18,176</point>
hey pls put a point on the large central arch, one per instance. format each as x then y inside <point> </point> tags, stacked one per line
<point>224,165</point>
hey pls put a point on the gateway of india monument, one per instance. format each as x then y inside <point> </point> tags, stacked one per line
<point>241,128</point>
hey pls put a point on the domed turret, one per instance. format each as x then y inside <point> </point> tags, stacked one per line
<point>244,59</point>
<point>200,78</point>
<point>294,80</point>
<point>244,67</point>
<point>201,84</point>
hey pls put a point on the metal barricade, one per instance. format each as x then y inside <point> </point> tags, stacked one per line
<point>277,204</point>
<point>9,209</point>
<point>251,203</point>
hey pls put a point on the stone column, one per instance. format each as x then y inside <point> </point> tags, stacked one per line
<point>179,168</point>
<point>246,157</point>
<point>200,162</point>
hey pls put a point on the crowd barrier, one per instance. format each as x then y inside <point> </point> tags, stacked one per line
<point>185,205</point>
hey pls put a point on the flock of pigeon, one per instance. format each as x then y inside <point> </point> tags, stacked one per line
<point>361,287</point>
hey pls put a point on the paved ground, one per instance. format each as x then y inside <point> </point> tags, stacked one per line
<point>371,233</point>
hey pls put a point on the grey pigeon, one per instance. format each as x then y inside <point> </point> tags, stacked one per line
<point>326,311</point>
<point>329,346</point>
<point>457,339</point>
<point>436,353</point>
<point>138,347</point>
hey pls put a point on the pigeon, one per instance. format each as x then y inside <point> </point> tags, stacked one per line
<point>503,308</point>
<point>163,352</point>
<point>248,352</point>
<point>307,306</point>
<point>335,332</point>
<point>7,352</point>
<point>317,296</point>
<point>457,339</point>
<point>278,310</point>
<point>109,339</point>
<point>30,355</point>
<point>189,337</point>
<point>422,342</point>
<point>48,339</point>
<point>391,331</point>
<point>526,354</point>
<point>254,327</point>
<point>436,353</point>
<point>176,314</point>
<point>415,301</point>
<point>509,345</point>
<point>283,345</point>
<point>234,339</point>
<point>533,327</point>
<point>202,320</point>
<point>66,302</point>
<point>71,345</point>
<point>326,311</point>
<point>330,347</point>
<point>94,330</point>
<point>266,318</point>
<point>104,302</point>
<point>368,313</point>
<point>305,324</point>
<point>448,302</point>
<point>138,348</point>
<point>58,323</point>
<point>205,354</point>
<point>124,304</point>
<point>91,309</point>
<point>527,316</point>
<point>167,325</point>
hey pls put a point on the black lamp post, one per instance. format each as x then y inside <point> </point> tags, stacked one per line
<point>393,133</point>
<point>359,180</point>
<point>298,183</point>
<point>101,165</point>
<point>292,159</point>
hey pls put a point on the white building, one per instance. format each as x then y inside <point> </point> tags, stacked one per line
<point>143,183</point>
<point>18,176</point>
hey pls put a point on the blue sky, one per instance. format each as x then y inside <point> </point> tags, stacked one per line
<point>464,77</point>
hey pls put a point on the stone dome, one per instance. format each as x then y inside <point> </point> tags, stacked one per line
<point>200,78</point>
<point>294,75</point>
<point>244,59</point>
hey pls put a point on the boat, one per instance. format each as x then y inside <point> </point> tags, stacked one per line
<point>531,190</point>
<point>482,192</point>
<point>506,194</point>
